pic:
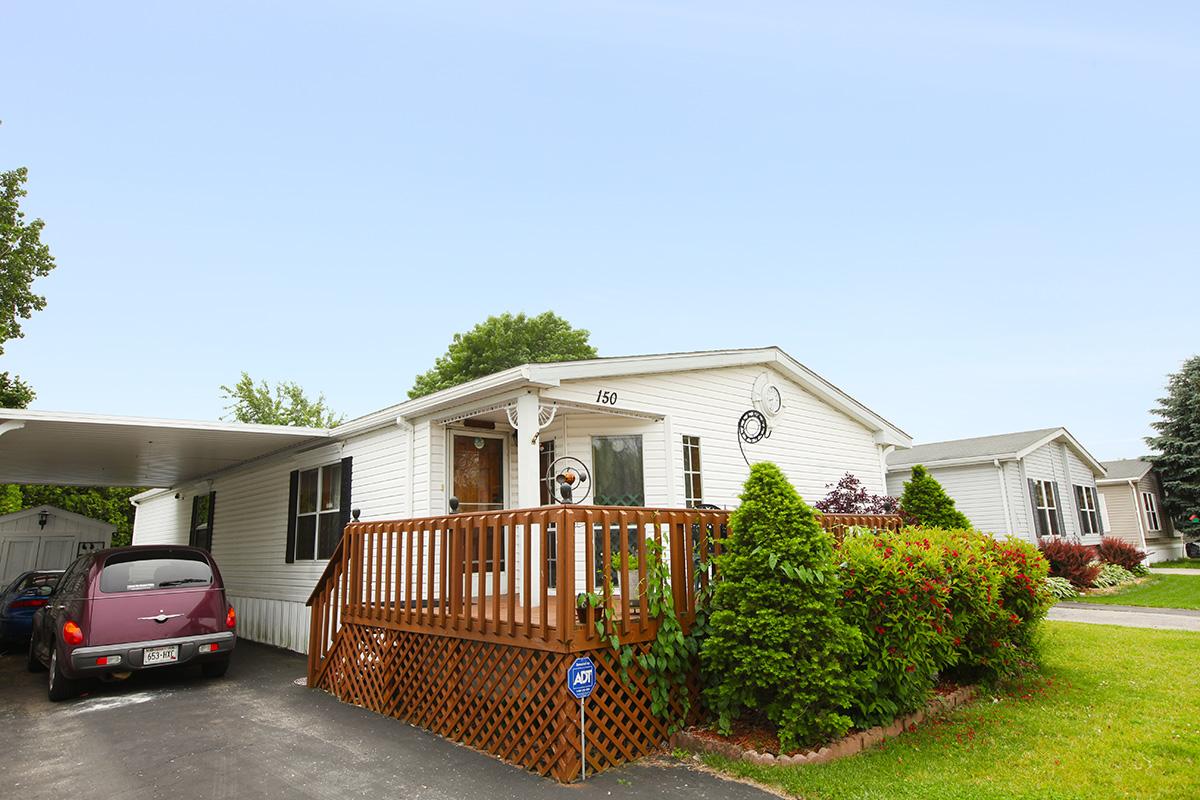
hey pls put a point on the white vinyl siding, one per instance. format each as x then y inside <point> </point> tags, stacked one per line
<point>975,489</point>
<point>162,519</point>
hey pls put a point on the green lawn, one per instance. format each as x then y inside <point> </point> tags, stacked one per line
<point>1158,591</point>
<point>1182,563</point>
<point>1113,715</point>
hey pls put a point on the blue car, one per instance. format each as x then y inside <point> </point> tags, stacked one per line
<point>21,598</point>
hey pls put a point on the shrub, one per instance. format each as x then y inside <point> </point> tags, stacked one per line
<point>895,591</point>
<point>849,496</point>
<point>776,644</point>
<point>1113,575</point>
<point>1120,552</point>
<point>1061,588</point>
<point>927,502</point>
<point>1071,560</point>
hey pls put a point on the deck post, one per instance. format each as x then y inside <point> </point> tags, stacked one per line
<point>529,483</point>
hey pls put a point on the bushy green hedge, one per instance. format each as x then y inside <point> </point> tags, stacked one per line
<point>777,646</point>
<point>930,602</point>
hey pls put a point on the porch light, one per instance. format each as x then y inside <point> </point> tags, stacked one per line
<point>43,518</point>
<point>478,442</point>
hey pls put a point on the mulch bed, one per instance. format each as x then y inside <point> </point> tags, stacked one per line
<point>755,740</point>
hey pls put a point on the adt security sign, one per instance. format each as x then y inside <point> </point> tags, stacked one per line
<point>581,677</point>
<point>581,682</point>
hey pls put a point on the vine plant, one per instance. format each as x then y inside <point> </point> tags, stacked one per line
<point>672,653</point>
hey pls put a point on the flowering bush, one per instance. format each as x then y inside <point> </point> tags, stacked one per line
<point>929,601</point>
<point>1119,552</point>
<point>1071,560</point>
<point>895,591</point>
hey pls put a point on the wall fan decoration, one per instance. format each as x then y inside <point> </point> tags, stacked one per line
<point>752,429</point>
<point>568,481</point>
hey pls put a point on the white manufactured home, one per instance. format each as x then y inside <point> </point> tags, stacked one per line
<point>1131,495</point>
<point>1032,484</point>
<point>675,430</point>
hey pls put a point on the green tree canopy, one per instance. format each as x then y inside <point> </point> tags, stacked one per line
<point>108,503</point>
<point>287,404</point>
<point>1177,446</point>
<point>926,500</point>
<point>777,645</point>
<point>23,258</point>
<point>503,342</point>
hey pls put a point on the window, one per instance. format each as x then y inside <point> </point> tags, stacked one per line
<point>693,494</point>
<point>617,470</point>
<point>1046,514</point>
<point>203,506</point>
<point>142,571</point>
<point>1151,508</point>
<point>1089,511</point>
<point>317,511</point>
<point>545,459</point>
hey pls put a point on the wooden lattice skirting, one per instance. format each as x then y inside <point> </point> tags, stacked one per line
<point>507,700</point>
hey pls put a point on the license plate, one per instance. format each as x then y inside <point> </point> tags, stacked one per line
<point>160,655</point>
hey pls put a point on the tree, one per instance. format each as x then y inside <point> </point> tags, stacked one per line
<point>502,342</point>
<point>777,645</point>
<point>1176,448</point>
<point>23,258</point>
<point>286,405</point>
<point>851,497</point>
<point>926,501</point>
<point>14,392</point>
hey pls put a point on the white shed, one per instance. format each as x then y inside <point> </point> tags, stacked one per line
<point>46,537</point>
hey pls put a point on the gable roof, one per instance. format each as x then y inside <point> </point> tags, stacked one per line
<point>1126,469</point>
<point>1003,446</point>
<point>551,375</point>
<point>44,447</point>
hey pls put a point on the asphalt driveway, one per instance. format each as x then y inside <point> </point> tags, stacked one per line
<point>256,734</point>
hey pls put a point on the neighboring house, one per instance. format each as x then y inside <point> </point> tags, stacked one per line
<point>271,502</point>
<point>1032,484</point>
<point>47,537</point>
<point>1131,502</point>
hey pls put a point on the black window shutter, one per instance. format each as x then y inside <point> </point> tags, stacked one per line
<point>347,483</point>
<point>293,492</point>
<point>1039,523</point>
<point>192,542</point>
<point>1062,529</point>
<point>212,516</point>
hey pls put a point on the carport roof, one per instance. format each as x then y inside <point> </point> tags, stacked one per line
<point>96,450</point>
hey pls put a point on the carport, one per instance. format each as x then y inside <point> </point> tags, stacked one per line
<point>46,447</point>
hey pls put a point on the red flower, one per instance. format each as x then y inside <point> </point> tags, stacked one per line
<point>880,630</point>
<point>910,668</point>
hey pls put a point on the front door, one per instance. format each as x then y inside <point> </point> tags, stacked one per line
<point>479,473</point>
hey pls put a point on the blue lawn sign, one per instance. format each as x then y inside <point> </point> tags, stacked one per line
<point>581,677</point>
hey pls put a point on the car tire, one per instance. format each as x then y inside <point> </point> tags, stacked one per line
<point>32,662</point>
<point>59,686</point>
<point>215,668</point>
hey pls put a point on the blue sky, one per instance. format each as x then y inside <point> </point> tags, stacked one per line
<point>975,218</point>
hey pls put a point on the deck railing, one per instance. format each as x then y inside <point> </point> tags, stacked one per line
<point>514,576</point>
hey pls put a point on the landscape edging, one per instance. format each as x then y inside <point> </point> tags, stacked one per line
<point>850,745</point>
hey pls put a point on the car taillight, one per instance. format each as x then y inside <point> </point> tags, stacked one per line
<point>230,619</point>
<point>33,602</point>
<point>72,633</point>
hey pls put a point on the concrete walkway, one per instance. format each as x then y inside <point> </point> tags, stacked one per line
<point>1174,571</point>
<point>1175,619</point>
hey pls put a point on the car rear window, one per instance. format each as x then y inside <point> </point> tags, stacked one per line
<point>141,572</point>
<point>45,579</point>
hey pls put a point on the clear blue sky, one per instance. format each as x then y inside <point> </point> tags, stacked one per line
<point>975,218</point>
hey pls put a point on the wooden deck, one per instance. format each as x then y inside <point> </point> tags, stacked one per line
<point>466,624</point>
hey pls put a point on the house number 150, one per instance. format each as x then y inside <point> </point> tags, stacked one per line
<point>606,397</point>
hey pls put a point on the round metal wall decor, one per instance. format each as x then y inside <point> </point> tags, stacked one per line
<point>568,481</point>
<point>752,427</point>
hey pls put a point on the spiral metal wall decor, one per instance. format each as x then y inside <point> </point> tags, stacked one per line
<point>752,429</point>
